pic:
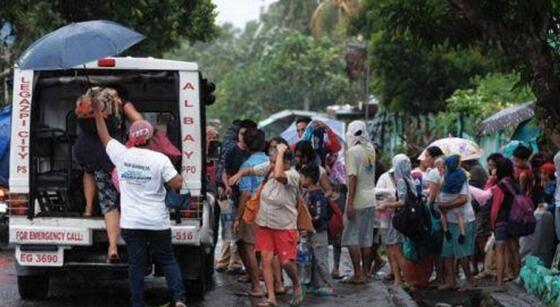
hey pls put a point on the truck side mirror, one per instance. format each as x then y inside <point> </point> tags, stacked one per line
<point>214,151</point>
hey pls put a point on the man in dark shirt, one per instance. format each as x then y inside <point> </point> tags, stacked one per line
<point>478,175</point>
<point>235,157</point>
<point>235,153</point>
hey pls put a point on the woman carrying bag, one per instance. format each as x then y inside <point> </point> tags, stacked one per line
<point>277,210</point>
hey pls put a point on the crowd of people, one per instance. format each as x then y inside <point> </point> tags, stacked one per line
<point>432,216</point>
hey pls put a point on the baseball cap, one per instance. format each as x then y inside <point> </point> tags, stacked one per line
<point>140,132</point>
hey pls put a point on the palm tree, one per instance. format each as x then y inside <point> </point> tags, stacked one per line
<point>330,13</point>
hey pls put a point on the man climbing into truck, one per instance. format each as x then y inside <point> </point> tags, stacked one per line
<point>142,174</point>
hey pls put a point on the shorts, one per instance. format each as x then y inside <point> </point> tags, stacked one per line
<point>359,230</point>
<point>106,192</point>
<point>501,233</point>
<point>247,232</point>
<point>281,242</point>
<point>391,235</point>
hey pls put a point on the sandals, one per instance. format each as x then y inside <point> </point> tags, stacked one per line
<point>353,281</point>
<point>378,266</point>
<point>280,293</point>
<point>113,258</point>
<point>322,291</point>
<point>244,279</point>
<point>249,294</point>
<point>267,304</point>
<point>336,275</point>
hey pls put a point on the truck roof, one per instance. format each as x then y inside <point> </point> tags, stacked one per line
<point>131,63</point>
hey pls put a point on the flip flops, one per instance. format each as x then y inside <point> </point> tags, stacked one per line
<point>249,294</point>
<point>267,304</point>
<point>352,281</point>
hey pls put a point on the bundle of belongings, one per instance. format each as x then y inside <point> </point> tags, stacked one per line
<point>108,101</point>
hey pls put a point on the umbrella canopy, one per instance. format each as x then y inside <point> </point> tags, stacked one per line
<point>285,118</point>
<point>507,117</point>
<point>78,43</point>
<point>336,126</point>
<point>467,149</point>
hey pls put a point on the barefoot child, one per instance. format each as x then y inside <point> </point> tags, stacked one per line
<point>316,202</point>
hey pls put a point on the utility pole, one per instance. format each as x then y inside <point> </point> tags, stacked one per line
<point>357,67</point>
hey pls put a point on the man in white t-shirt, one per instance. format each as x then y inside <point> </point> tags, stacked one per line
<point>360,204</point>
<point>144,218</point>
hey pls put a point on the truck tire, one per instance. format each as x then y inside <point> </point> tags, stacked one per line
<point>196,288</point>
<point>33,287</point>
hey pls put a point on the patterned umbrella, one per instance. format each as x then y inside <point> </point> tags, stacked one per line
<point>467,149</point>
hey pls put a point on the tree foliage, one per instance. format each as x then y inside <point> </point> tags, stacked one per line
<point>491,94</point>
<point>165,23</point>
<point>408,76</point>
<point>524,33</point>
<point>269,67</point>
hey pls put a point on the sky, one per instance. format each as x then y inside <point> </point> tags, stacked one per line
<point>239,12</point>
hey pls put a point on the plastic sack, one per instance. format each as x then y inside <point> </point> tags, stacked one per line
<point>418,273</point>
<point>5,134</point>
<point>162,144</point>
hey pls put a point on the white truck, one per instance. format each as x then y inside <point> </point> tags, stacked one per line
<point>46,228</point>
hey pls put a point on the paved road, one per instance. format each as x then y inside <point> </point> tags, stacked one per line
<point>88,293</point>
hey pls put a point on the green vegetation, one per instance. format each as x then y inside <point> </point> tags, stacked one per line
<point>272,65</point>
<point>520,35</point>
<point>491,94</point>
<point>165,23</point>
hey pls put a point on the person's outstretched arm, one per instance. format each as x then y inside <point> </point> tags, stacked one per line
<point>101,126</point>
<point>130,111</point>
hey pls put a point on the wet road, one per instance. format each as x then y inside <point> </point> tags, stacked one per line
<point>73,292</point>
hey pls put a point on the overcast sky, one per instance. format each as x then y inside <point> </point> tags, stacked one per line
<point>239,12</point>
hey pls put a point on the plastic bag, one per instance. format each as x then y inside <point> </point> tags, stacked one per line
<point>162,144</point>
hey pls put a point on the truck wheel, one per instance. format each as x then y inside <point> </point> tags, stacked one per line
<point>196,288</point>
<point>34,287</point>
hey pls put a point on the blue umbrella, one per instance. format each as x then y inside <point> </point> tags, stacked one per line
<point>78,43</point>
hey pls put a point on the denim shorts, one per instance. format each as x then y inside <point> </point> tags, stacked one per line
<point>501,233</point>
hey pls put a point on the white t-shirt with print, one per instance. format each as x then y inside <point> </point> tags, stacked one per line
<point>360,162</point>
<point>142,174</point>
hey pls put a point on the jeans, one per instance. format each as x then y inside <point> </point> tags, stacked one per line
<point>320,276</point>
<point>137,242</point>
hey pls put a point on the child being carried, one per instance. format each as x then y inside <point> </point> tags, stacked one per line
<point>453,182</point>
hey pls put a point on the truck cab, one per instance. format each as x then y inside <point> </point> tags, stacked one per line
<point>46,227</point>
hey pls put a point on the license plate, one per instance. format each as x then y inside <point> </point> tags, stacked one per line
<point>40,258</point>
<point>187,235</point>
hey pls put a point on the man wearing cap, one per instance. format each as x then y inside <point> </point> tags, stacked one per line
<point>144,218</point>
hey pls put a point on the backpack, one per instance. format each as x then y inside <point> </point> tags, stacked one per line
<point>521,220</point>
<point>413,219</point>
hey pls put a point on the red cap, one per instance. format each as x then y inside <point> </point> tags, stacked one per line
<point>140,132</point>
<point>548,168</point>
